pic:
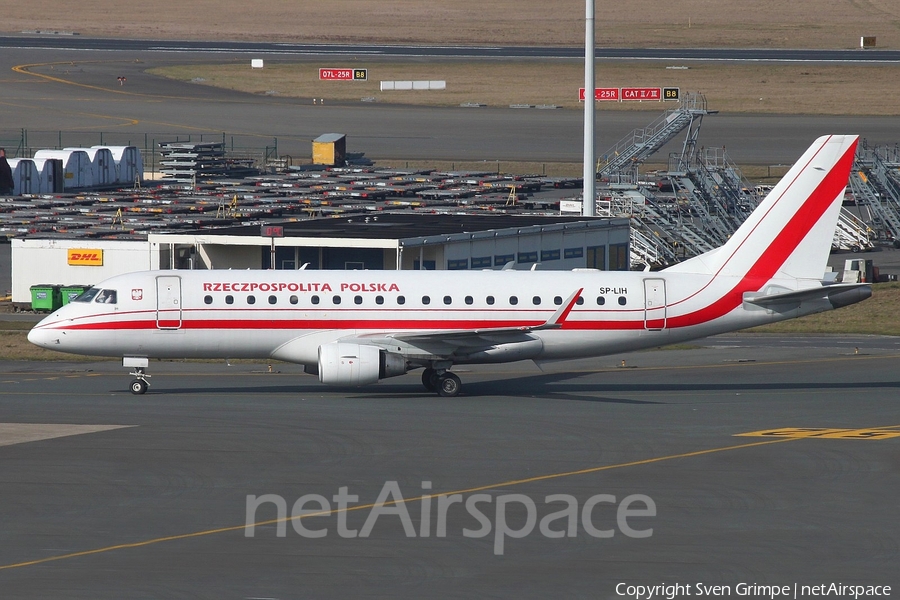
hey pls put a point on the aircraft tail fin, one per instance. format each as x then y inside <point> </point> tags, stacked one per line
<point>789,235</point>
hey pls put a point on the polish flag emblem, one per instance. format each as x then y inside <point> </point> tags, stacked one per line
<point>137,294</point>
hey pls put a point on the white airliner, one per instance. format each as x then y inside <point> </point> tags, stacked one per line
<point>357,327</point>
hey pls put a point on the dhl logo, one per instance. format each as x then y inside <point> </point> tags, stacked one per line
<point>85,258</point>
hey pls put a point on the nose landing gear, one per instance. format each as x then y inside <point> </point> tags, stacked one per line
<point>140,383</point>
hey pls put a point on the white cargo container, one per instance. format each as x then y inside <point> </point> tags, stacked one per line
<point>129,163</point>
<point>102,165</point>
<point>77,170</point>
<point>50,175</point>
<point>26,179</point>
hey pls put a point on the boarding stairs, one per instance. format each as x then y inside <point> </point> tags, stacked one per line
<point>648,249</point>
<point>660,232</point>
<point>632,150</point>
<point>885,222</point>
<point>886,176</point>
<point>851,233</point>
<point>705,209</point>
<point>735,196</point>
<point>685,236</point>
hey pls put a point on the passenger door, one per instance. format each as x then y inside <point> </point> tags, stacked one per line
<point>168,302</point>
<point>654,304</point>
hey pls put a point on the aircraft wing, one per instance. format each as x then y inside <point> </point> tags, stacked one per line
<point>554,322</point>
<point>446,342</point>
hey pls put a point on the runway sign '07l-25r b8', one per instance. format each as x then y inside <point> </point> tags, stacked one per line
<point>633,93</point>
<point>344,74</point>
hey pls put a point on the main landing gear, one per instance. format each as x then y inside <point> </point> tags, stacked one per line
<point>140,383</point>
<point>443,382</point>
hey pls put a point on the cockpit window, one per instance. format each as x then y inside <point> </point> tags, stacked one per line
<point>106,297</point>
<point>87,295</point>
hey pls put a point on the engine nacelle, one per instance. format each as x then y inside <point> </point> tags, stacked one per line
<point>345,363</point>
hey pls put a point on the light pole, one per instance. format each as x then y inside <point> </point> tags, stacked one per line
<point>589,197</point>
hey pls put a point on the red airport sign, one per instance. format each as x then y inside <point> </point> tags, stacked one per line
<point>343,74</point>
<point>642,93</point>
<point>601,94</point>
<point>336,74</point>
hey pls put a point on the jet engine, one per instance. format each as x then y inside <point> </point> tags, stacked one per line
<point>345,363</point>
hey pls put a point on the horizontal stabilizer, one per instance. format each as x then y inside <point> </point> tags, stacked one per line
<point>839,294</point>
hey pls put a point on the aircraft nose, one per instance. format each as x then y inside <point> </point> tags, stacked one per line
<point>43,337</point>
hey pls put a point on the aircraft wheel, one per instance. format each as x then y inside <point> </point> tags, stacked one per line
<point>430,379</point>
<point>138,386</point>
<point>449,385</point>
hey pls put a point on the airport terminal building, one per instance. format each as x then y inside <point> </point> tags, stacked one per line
<point>377,241</point>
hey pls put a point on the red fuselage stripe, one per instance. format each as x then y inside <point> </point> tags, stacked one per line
<point>362,324</point>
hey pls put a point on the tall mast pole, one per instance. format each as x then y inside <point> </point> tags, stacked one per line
<point>590,193</point>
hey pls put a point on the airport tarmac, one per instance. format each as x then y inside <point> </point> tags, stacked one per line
<point>150,499</point>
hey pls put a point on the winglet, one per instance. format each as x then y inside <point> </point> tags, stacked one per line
<point>562,313</point>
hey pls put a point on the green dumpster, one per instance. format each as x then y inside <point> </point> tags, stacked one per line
<point>70,292</point>
<point>45,297</point>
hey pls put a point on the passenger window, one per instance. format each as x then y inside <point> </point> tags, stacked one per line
<point>272,299</point>
<point>294,299</point>
<point>229,299</point>
<point>251,299</point>
<point>379,299</point>
<point>580,300</point>
<point>557,300</point>
<point>513,300</point>
<point>536,300</point>
<point>622,300</point>
<point>335,299</point>
<point>401,299</point>
<point>314,299</point>
<point>207,299</point>
<point>601,300</point>
<point>357,299</point>
<point>106,297</point>
<point>489,300</point>
<point>426,300</point>
<point>469,299</point>
<point>447,299</point>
